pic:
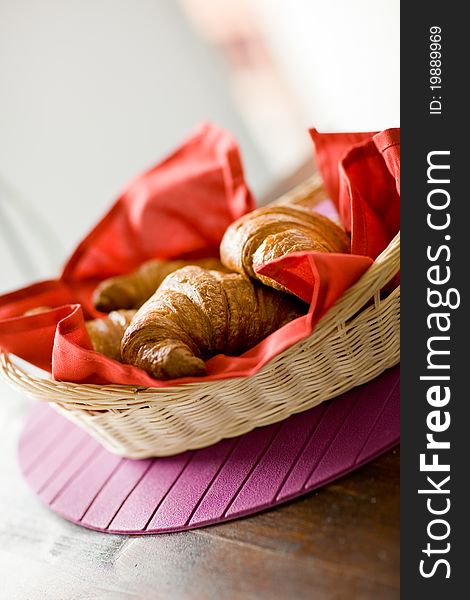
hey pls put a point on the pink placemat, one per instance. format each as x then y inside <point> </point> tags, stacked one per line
<point>86,484</point>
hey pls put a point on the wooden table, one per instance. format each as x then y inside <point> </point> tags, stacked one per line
<point>341,542</point>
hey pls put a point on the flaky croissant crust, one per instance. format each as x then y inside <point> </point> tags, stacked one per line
<point>273,231</point>
<point>131,290</point>
<point>196,314</point>
<point>106,333</point>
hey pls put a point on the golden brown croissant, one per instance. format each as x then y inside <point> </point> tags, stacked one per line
<point>196,314</point>
<point>275,230</point>
<point>133,289</point>
<point>106,333</point>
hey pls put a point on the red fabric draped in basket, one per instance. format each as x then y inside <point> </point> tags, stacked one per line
<point>181,207</point>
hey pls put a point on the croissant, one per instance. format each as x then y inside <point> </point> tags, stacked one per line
<point>106,333</point>
<point>130,291</point>
<point>275,230</point>
<point>196,314</point>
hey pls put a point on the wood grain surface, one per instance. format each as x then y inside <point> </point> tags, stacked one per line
<point>341,542</point>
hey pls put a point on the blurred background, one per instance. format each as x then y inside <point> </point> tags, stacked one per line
<point>94,91</point>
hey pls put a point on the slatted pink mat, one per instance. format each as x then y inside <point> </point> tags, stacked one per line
<point>88,485</point>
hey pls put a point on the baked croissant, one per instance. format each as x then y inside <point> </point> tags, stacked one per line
<point>106,333</point>
<point>275,230</point>
<point>196,314</point>
<point>130,291</point>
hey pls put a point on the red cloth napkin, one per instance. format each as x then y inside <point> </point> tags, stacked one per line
<point>181,207</point>
<point>366,185</point>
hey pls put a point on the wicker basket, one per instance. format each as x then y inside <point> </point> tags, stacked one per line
<point>353,343</point>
